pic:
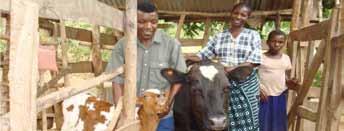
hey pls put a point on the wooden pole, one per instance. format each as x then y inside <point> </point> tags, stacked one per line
<point>278,21</point>
<point>329,71</point>
<point>224,14</point>
<point>96,52</point>
<point>64,51</point>
<point>130,56</point>
<point>5,69</point>
<point>58,106</point>
<point>96,56</point>
<point>116,114</point>
<point>64,93</point>
<point>180,26</point>
<point>292,51</point>
<point>23,73</point>
<point>4,89</point>
<point>3,96</point>
<point>335,94</point>
<point>206,31</point>
<point>302,58</point>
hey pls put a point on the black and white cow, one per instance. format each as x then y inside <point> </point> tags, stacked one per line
<point>201,104</point>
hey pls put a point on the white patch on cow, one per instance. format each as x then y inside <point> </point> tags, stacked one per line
<point>155,91</point>
<point>71,117</point>
<point>189,68</point>
<point>208,71</point>
<point>224,64</point>
<point>91,107</point>
<point>108,116</point>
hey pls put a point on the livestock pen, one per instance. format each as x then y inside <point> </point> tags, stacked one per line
<point>314,44</point>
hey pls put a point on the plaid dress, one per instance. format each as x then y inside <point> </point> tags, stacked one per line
<point>246,47</point>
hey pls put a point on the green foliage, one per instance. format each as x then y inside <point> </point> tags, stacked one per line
<point>81,25</point>
<point>193,29</point>
<point>2,46</point>
<point>106,54</point>
<point>76,52</point>
<point>2,43</point>
<point>317,79</point>
<point>327,13</point>
<point>270,26</point>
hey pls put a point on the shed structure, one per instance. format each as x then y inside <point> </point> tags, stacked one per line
<point>314,44</point>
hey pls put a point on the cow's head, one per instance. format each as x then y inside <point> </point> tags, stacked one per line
<point>208,86</point>
<point>151,104</point>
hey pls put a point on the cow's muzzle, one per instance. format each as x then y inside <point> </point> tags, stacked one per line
<point>217,123</point>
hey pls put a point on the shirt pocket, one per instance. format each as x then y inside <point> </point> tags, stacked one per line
<point>155,76</point>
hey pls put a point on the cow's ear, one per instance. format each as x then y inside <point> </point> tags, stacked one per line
<point>173,76</point>
<point>240,73</point>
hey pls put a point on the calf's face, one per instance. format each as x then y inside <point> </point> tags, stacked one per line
<point>208,86</point>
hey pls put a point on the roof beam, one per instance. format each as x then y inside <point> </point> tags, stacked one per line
<point>224,14</point>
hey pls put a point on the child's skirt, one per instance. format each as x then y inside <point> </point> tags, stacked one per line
<point>273,113</point>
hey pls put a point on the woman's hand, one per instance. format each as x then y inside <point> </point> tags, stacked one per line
<point>263,96</point>
<point>293,84</point>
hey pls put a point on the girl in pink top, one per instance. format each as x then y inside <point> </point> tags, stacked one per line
<point>273,94</point>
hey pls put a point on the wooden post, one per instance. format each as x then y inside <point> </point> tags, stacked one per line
<point>130,56</point>
<point>278,21</point>
<point>3,96</point>
<point>44,120</point>
<point>180,26</point>
<point>206,31</point>
<point>5,88</point>
<point>64,47</point>
<point>292,47</point>
<point>57,107</point>
<point>335,94</point>
<point>329,71</point>
<point>23,73</point>
<point>96,53</point>
<point>97,62</point>
<point>302,57</point>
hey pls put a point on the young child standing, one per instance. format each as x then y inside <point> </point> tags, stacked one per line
<point>274,84</point>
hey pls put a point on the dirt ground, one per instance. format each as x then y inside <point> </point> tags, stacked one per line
<point>310,126</point>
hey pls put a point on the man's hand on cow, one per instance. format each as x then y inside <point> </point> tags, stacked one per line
<point>229,69</point>
<point>165,109</point>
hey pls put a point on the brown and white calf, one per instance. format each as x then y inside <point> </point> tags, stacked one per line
<point>85,112</point>
<point>151,103</point>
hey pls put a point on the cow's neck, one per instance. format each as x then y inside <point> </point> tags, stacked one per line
<point>148,122</point>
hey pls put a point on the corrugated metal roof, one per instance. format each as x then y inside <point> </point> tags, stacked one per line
<point>209,6</point>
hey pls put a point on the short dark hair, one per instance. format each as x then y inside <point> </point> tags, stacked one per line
<point>276,33</point>
<point>243,4</point>
<point>146,7</point>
